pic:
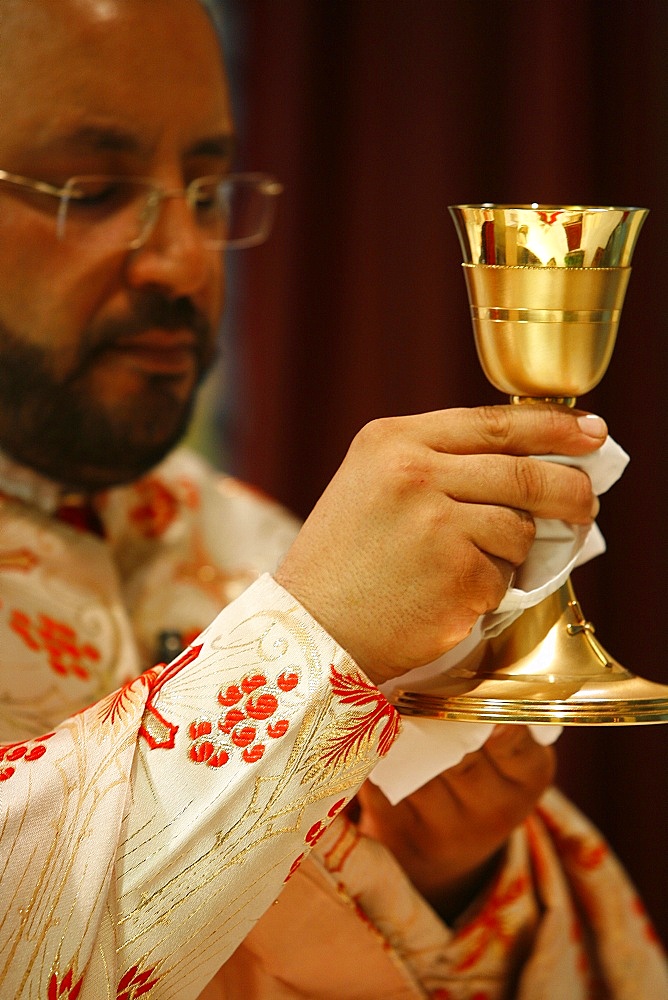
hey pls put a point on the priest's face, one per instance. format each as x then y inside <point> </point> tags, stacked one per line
<point>101,345</point>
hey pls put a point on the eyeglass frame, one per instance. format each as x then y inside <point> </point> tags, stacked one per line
<point>266,184</point>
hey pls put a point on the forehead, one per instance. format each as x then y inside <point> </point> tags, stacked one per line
<point>147,69</point>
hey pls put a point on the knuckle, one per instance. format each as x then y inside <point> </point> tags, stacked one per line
<point>525,527</point>
<point>375,433</point>
<point>382,453</point>
<point>529,765</point>
<point>580,489</point>
<point>480,583</point>
<point>469,763</point>
<point>385,442</point>
<point>495,424</point>
<point>516,531</point>
<point>530,478</point>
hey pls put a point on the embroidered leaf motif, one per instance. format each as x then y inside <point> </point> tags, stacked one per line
<point>66,989</point>
<point>20,560</point>
<point>135,984</point>
<point>129,699</point>
<point>353,689</point>
<point>491,924</point>
<point>158,731</point>
<point>587,852</point>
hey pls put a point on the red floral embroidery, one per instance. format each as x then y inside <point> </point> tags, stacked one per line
<point>27,751</point>
<point>156,508</point>
<point>314,834</point>
<point>240,726</point>
<point>67,989</point>
<point>136,984</point>
<point>587,856</point>
<point>320,828</point>
<point>294,866</point>
<point>489,925</point>
<point>158,732</point>
<point>352,689</point>
<point>66,655</point>
<point>548,217</point>
<point>20,560</point>
<point>587,853</point>
<point>348,837</point>
<point>190,493</point>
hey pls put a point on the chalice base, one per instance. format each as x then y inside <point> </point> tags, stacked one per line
<point>546,668</point>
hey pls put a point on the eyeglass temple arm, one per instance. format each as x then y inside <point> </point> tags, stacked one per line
<point>28,182</point>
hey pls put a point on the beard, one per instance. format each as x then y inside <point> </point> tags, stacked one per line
<point>59,426</point>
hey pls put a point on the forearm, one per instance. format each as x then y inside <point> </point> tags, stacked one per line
<point>175,808</point>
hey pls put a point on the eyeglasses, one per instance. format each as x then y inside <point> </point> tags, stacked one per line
<point>232,211</point>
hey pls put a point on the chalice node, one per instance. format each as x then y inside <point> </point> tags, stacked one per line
<point>546,284</point>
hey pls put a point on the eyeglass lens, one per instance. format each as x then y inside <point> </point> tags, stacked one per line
<point>123,211</point>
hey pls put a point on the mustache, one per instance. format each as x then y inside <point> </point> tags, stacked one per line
<point>151,312</point>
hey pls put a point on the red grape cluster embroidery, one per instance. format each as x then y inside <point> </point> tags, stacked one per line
<point>251,717</point>
<point>26,751</point>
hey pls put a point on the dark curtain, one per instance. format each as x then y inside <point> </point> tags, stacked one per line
<point>378,114</point>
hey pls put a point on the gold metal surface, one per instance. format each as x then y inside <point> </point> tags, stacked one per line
<point>580,236</point>
<point>546,286</point>
<point>545,331</point>
<point>547,667</point>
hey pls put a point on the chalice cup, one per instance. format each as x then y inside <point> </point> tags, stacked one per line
<point>546,285</point>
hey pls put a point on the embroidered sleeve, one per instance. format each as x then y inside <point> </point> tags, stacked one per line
<point>143,838</point>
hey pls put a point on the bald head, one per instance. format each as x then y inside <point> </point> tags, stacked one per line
<point>28,22</point>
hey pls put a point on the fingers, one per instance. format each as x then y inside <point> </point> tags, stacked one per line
<point>508,774</point>
<point>544,489</point>
<point>530,429</point>
<point>485,456</point>
<point>519,759</point>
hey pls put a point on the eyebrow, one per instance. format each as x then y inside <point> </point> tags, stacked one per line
<point>223,145</point>
<point>103,138</point>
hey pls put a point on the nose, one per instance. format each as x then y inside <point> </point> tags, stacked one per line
<point>173,254</point>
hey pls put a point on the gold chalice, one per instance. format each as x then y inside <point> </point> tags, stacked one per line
<point>546,285</point>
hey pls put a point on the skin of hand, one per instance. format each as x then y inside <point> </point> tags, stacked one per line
<point>428,516</point>
<point>447,835</point>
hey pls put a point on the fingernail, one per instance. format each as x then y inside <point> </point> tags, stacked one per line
<point>592,425</point>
